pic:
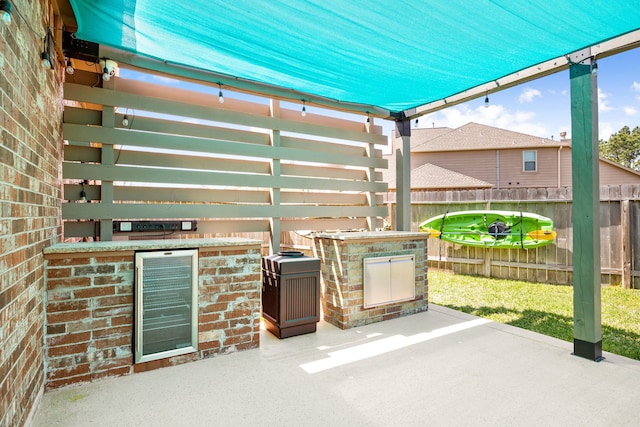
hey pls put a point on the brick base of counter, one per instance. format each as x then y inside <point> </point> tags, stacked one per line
<point>89,312</point>
<point>342,274</point>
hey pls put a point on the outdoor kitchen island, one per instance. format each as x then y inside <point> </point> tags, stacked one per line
<point>90,304</point>
<point>369,277</point>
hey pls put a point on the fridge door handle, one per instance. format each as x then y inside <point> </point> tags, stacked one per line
<point>139,310</point>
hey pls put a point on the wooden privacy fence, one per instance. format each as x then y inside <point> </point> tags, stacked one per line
<point>245,166</point>
<point>619,234</point>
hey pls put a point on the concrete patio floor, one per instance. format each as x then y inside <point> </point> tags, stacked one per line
<point>441,367</point>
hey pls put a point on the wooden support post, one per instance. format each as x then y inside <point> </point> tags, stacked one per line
<point>403,176</point>
<point>625,237</point>
<point>106,187</point>
<point>587,327</point>
<point>371,196</point>
<point>275,222</point>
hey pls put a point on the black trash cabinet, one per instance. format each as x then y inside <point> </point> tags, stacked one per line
<point>290,293</point>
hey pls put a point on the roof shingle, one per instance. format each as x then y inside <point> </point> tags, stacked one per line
<point>430,176</point>
<point>474,136</point>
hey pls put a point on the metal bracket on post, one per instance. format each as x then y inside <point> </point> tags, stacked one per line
<point>580,56</point>
<point>584,57</point>
<point>403,127</point>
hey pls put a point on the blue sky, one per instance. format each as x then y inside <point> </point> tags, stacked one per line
<point>542,107</point>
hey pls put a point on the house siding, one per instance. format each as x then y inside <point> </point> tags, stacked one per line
<point>481,164</point>
<point>487,165</point>
<point>610,174</point>
<point>512,172</point>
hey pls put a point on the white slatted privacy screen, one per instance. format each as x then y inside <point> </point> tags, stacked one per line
<point>237,166</point>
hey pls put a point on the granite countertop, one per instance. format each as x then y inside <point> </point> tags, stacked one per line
<point>373,235</point>
<point>124,245</point>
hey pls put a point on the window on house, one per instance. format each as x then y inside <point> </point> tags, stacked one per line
<point>530,161</point>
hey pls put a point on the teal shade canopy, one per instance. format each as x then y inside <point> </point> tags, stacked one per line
<point>391,55</point>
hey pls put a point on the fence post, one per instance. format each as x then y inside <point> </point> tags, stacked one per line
<point>487,252</point>
<point>625,237</point>
<point>487,262</point>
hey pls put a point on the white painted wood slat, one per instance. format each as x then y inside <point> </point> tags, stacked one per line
<point>80,93</point>
<point>165,210</point>
<point>214,146</point>
<point>190,177</point>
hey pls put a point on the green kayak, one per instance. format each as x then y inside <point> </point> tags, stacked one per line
<point>494,229</point>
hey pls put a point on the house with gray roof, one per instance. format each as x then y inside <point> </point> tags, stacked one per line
<point>477,156</point>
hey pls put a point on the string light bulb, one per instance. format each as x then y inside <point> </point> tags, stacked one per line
<point>304,108</point>
<point>45,60</point>
<point>416,122</point>
<point>367,123</point>
<point>83,194</point>
<point>220,95</point>
<point>5,12</point>
<point>486,99</point>
<point>108,68</point>
<point>69,68</point>
<point>126,121</point>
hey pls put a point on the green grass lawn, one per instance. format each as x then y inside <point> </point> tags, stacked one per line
<point>547,309</point>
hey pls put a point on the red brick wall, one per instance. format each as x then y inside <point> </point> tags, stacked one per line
<point>31,143</point>
<point>89,312</point>
<point>89,317</point>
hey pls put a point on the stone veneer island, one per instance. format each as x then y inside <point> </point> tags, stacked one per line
<point>342,257</point>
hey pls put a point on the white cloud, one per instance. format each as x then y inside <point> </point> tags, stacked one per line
<point>605,130</point>
<point>636,88</point>
<point>529,94</point>
<point>494,115</point>
<point>603,103</point>
<point>630,111</point>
